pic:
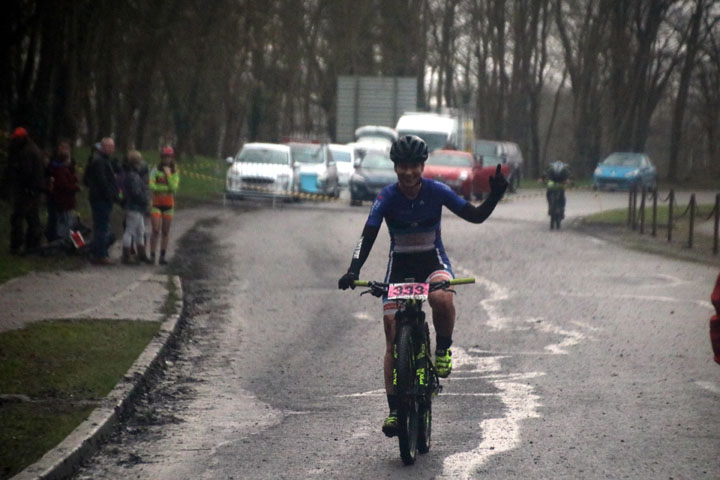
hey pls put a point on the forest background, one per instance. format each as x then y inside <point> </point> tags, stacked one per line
<point>569,80</point>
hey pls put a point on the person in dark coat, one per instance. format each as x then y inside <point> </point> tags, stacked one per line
<point>65,187</point>
<point>103,192</point>
<point>24,184</point>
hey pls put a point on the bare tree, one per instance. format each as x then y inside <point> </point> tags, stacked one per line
<point>581,26</point>
<point>692,45</point>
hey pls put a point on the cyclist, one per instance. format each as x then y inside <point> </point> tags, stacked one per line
<point>412,208</point>
<point>556,177</point>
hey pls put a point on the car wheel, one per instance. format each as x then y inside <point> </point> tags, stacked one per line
<point>354,202</point>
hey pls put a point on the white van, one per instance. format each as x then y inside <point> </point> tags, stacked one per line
<point>438,131</point>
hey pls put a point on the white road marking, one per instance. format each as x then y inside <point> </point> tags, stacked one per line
<point>572,337</point>
<point>499,434</point>
<point>366,316</point>
<point>710,386</point>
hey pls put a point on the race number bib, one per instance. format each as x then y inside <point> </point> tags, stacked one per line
<point>414,291</point>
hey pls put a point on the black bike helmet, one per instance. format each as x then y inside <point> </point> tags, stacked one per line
<point>409,149</point>
<point>558,171</point>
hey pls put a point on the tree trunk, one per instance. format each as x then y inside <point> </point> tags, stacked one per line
<point>681,99</point>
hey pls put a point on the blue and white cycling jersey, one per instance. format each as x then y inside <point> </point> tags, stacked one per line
<point>414,225</point>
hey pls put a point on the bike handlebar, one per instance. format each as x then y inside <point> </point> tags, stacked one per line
<point>433,285</point>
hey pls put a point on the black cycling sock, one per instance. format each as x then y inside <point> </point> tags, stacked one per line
<point>443,343</point>
<point>393,402</point>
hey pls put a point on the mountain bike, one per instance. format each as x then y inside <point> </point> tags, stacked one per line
<point>555,208</point>
<point>556,203</point>
<point>415,379</point>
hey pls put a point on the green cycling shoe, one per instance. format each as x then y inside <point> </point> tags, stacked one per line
<point>390,425</point>
<point>443,363</point>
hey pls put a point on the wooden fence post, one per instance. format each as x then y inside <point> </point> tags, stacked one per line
<point>692,220</point>
<point>671,197</point>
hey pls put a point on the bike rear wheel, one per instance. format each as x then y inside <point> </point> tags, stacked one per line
<point>408,414</point>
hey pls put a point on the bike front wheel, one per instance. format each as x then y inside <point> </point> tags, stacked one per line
<point>408,413</point>
<point>424,427</point>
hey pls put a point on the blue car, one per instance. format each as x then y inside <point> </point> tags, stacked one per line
<point>625,170</point>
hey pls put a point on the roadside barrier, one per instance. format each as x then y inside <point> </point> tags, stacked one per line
<point>636,214</point>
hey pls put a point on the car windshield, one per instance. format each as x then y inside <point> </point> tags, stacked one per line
<point>482,148</point>
<point>377,161</point>
<point>449,160</point>
<point>434,141</point>
<point>262,155</point>
<point>341,156</point>
<point>491,160</point>
<point>309,154</point>
<point>622,160</point>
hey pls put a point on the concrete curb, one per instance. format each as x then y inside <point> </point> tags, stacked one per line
<point>63,460</point>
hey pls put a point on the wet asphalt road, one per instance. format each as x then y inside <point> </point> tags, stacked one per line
<point>574,358</point>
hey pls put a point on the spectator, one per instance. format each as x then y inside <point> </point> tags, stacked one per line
<point>103,192</point>
<point>136,206</point>
<point>23,184</point>
<point>65,187</point>
<point>164,182</point>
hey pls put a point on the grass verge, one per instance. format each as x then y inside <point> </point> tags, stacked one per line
<point>613,225</point>
<point>52,374</point>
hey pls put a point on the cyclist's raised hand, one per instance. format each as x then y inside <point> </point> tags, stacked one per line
<point>346,281</point>
<point>498,183</point>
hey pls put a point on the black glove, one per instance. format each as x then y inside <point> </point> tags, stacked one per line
<point>346,281</point>
<point>498,183</point>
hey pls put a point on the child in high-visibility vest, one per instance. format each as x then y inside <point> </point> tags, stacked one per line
<point>164,182</point>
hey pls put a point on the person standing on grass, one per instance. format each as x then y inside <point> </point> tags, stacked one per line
<point>136,206</point>
<point>65,187</point>
<point>164,182</point>
<point>103,192</point>
<point>23,185</point>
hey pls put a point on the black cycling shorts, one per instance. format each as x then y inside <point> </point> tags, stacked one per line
<point>415,267</point>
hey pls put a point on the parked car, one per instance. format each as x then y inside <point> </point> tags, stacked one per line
<point>345,157</point>
<point>504,153</point>
<point>485,168</point>
<point>625,170</point>
<point>454,168</point>
<point>261,170</point>
<point>375,136</point>
<point>372,173</point>
<point>317,169</point>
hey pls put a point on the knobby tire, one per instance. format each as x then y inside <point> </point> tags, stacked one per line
<point>408,415</point>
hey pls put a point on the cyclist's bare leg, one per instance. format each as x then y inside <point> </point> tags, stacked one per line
<point>443,312</point>
<point>389,322</point>
<point>443,308</point>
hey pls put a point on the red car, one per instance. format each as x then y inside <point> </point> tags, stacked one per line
<point>461,172</point>
<point>454,168</point>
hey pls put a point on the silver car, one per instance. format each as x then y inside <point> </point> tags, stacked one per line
<point>262,170</point>
<point>316,167</point>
